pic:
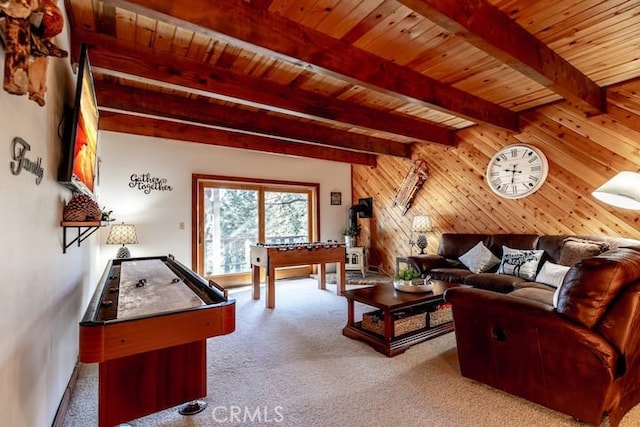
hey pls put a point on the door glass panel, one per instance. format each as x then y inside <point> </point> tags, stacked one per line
<point>286,217</point>
<point>233,215</point>
<point>230,228</point>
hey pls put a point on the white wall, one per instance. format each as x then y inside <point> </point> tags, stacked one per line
<point>157,215</point>
<point>43,291</point>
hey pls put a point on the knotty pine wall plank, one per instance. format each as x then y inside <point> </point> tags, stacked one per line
<point>583,153</point>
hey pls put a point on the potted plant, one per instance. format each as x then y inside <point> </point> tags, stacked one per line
<point>351,235</point>
<point>407,276</point>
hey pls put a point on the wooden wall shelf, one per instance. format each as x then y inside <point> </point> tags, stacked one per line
<point>84,230</point>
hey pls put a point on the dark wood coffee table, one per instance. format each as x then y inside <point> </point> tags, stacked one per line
<point>391,301</point>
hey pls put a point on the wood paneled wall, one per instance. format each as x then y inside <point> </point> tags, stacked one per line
<point>583,153</point>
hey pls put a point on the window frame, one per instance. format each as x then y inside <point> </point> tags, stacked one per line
<point>200,181</point>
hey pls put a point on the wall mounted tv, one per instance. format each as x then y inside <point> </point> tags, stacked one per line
<point>80,140</point>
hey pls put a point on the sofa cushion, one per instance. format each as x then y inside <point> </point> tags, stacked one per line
<point>552,274</point>
<point>425,263</point>
<point>455,275</point>
<point>479,259</point>
<point>526,284</point>
<point>575,250</point>
<point>515,241</point>
<point>592,284</point>
<point>552,246</point>
<point>521,263</point>
<point>452,245</point>
<point>533,293</point>
<point>502,283</point>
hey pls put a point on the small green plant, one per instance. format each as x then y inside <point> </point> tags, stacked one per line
<point>106,215</point>
<point>351,231</point>
<point>408,273</point>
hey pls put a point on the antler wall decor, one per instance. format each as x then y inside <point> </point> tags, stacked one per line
<point>28,27</point>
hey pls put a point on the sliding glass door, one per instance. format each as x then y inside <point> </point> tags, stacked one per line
<point>232,215</point>
<point>230,227</point>
<point>286,217</point>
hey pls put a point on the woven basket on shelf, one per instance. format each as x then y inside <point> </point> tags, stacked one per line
<point>442,315</point>
<point>403,322</point>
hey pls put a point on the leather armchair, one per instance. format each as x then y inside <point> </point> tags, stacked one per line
<point>581,358</point>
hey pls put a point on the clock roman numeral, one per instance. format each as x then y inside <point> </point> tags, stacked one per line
<point>537,168</point>
<point>533,178</point>
<point>533,159</point>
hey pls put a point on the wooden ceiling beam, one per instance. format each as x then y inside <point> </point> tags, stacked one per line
<point>238,23</point>
<point>111,54</point>
<point>118,97</point>
<point>179,131</point>
<point>492,31</point>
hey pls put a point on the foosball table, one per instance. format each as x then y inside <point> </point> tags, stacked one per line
<point>272,256</point>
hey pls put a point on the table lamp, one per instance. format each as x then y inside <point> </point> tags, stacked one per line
<point>622,191</point>
<point>421,224</point>
<point>122,234</point>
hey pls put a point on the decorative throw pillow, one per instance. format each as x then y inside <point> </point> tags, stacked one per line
<point>552,274</point>
<point>520,263</point>
<point>556,294</point>
<point>479,258</point>
<point>575,250</point>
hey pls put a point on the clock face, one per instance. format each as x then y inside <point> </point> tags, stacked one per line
<point>517,171</point>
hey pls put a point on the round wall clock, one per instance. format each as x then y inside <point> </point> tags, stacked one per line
<point>517,171</point>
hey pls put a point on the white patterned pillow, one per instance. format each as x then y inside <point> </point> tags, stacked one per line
<point>520,263</point>
<point>479,258</point>
<point>552,274</point>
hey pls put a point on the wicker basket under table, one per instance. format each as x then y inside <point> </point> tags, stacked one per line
<point>441,315</point>
<point>403,322</point>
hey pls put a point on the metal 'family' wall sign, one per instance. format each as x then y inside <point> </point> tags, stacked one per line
<point>147,183</point>
<point>19,150</point>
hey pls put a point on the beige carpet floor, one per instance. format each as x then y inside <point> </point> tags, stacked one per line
<point>291,366</point>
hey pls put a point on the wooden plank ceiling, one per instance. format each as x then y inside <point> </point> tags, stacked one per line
<point>347,80</point>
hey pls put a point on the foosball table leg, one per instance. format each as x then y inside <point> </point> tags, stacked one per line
<point>255,281</point>
<point>322,282</point>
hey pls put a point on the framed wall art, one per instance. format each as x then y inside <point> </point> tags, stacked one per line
<point>336,198</point>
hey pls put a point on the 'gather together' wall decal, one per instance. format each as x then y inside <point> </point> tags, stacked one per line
<point>147,183</point>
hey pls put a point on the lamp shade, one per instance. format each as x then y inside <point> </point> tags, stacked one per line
<point>622,191</point>
<point>122,234</point>
<point>421,224</point>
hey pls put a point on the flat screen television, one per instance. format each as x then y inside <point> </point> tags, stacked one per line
<point>80,139</point>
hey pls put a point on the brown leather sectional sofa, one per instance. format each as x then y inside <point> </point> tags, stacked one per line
<point>580,356</point>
